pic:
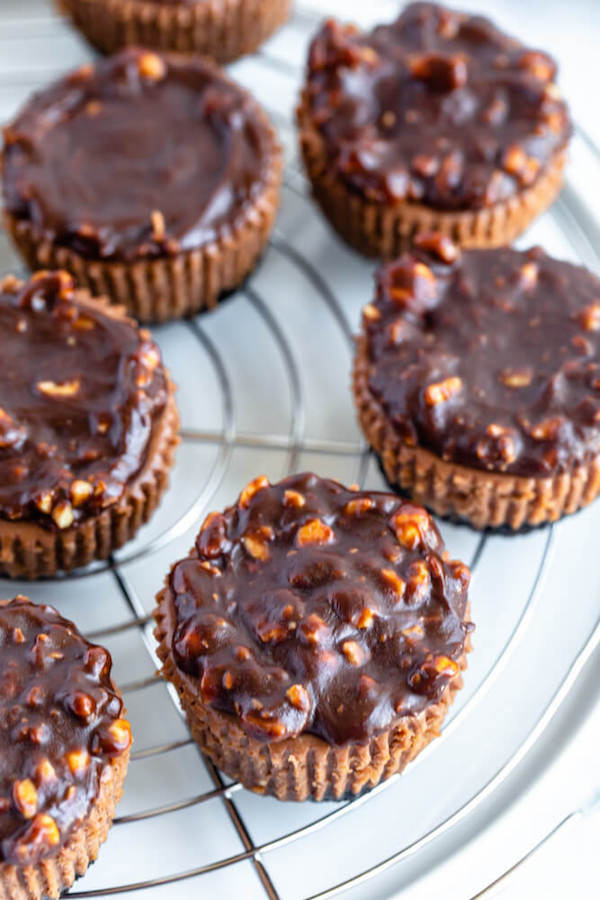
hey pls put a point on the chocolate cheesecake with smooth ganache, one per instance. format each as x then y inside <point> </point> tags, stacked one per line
<point>153,179</point>
<point>64,749</point>
<point>316,635</point>
<point>437,121</point>
<point>477,382</point>
<point>88,426</point>
<point>221,31</point>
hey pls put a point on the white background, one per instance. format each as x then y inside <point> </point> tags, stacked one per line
<point>561,774</point>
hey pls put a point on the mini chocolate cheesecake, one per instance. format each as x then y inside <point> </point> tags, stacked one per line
<point>436,121</point>
<point>64,749</point>
<point>153,179</point>
<point>316,636</point>
<point>222,31</point>
<point>88,426</point>
<point>477,382</point>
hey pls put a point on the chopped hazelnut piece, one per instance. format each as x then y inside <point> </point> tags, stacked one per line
<point>365,619</point>
<point>445,666</point>
<point>359,506</point>
<point>515,159</point>
<point>368,56</point>
<point>439,244</point>
<point>252,488</point>
<point>415,631</point>
<point>590,317</point>
<point>78,761</point>
<point>25,798</point>
<point>409,526</point>
<point>547,430</point>
<point>442,391</point>
<point>529,275</point>
<point>10,284</point>
<point>516,378</point>
<point>151,66</point>
<point>62,514</point>
<point>271,727</point>
<point>393,581</point>
<point>84,323</point>
<point>293,498</point>
<point>45,771</point>
<point>314,532</point>
<point>371,313</point>
<point>256,544</point>
<point>353,652</point>
<point>44,829</point>
<point>59,390</point>
<point>298,697</point>
<point>158,224</point>
<point>119,736</point>
<point>80,491</point>
<point>93,108</point>
<point>540,66</point>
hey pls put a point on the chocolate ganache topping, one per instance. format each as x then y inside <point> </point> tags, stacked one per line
<point>60,725</point>
<point>490,359</point>
<point>80,390</point>
<point>439,108</point>
<point>310,607</point>
<point>138,156</point>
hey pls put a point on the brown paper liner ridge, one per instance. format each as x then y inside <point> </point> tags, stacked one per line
<point>51,876</point>
<point>305,767</point>
<point>387,230</point>
<point>484,499</point>
<point>220,29</point>
<point>169,287</point>
<point>27,550</point>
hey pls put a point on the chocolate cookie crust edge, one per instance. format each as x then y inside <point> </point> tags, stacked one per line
<point>386,230</point>
<point>223,31</point>
<point>305,767</point>
<point>51,876</point>
<point>483,499</point>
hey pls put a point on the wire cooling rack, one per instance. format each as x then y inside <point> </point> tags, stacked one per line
<point>264,387</point>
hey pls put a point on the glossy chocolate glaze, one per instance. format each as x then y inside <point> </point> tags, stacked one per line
<point>81,388</point>
<point>439,108</point>
<point>310,607</point>
<point>491,359</point>
<point>138,156</point>
<point>60,725</point>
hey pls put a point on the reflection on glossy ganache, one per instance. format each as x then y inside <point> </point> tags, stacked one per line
<point>439,107</point>
<point>138,156</point>
<point>489,358</point>
<point>311,607</point>
<point>80,390</point>
<point>60,725</point>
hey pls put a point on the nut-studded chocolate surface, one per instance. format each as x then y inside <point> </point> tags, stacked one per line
<point>60,724</point>
<point>489,359</point>
<point>311,607</point>
<point>139,156</point>
<point>439,108</point>
<point>80,388</point>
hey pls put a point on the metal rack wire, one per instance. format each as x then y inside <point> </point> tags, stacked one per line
<point>292,443</point>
